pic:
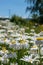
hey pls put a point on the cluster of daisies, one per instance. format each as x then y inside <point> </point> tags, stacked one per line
<point>13,39</point>
<point>35,54</point>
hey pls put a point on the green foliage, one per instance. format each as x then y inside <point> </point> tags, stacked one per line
<point>36,7</point>
<point>18,20</point>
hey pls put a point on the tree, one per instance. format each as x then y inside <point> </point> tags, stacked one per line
<point>36,7</point>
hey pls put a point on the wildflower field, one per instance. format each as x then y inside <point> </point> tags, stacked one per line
<point>20,45</point>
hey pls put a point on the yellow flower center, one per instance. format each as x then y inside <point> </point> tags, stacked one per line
<point>4,49</point>
<point>39,38</point>
<point>13,42</point>
<point>22,41</point>
<point>4,39</point>
<point>34,46</point>
<point>30,60</point>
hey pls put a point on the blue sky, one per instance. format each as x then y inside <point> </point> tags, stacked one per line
<point>17,7</point>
